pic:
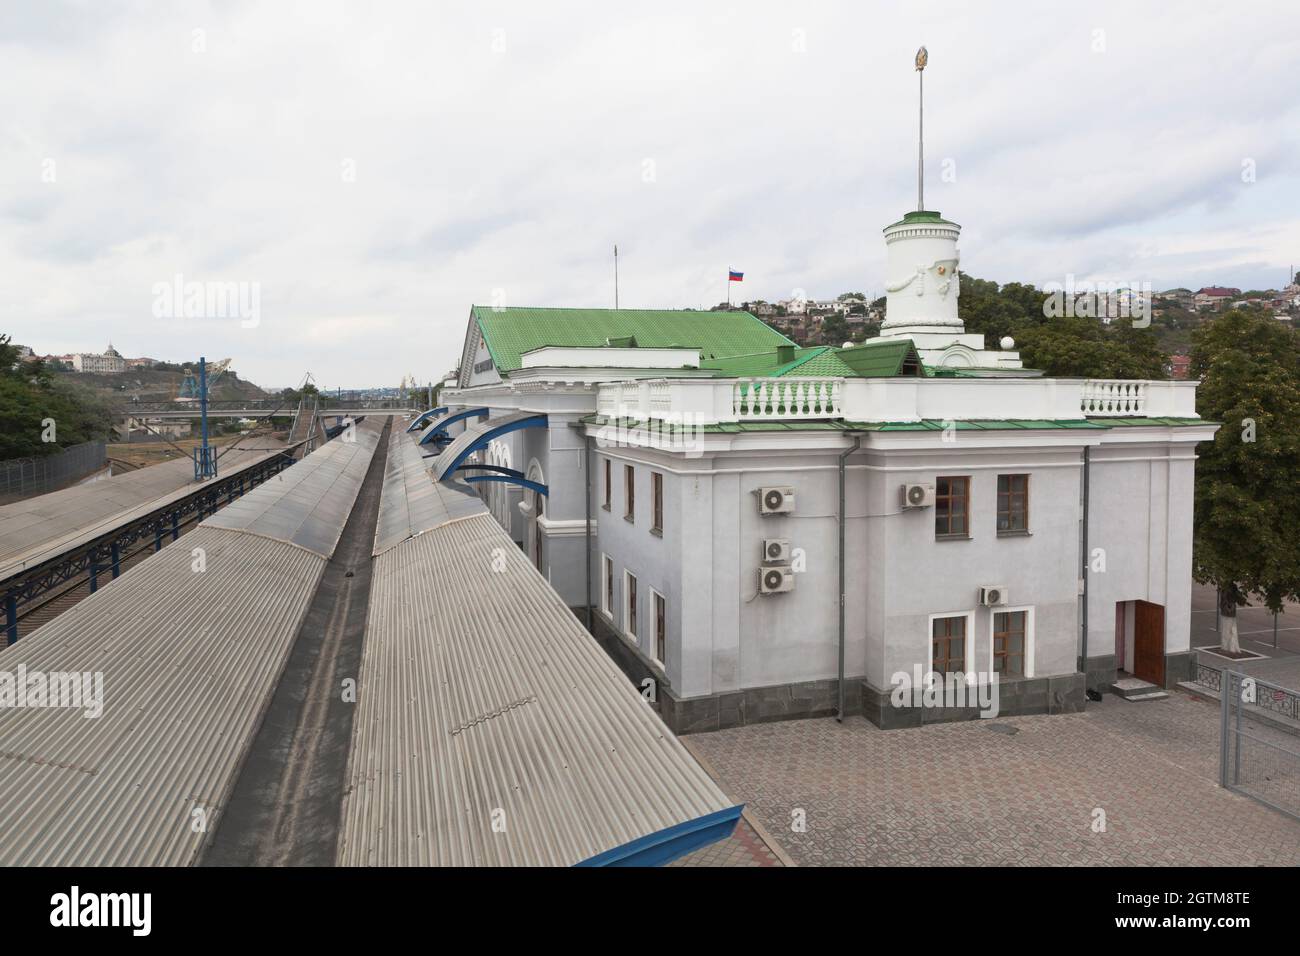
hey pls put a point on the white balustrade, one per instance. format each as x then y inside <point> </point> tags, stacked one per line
<point>1113,398</point>
<point>768,399</point>
<point>699,401</point>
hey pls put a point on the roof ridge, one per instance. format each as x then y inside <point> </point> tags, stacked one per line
<point>595,308</point>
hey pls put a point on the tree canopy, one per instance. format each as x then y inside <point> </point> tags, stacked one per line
<point>30,395</point>
<point>1248,480</point>
<point>1065,346</point>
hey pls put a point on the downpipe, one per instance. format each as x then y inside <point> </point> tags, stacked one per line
<point>1088,692</point>
<point>857,443</point>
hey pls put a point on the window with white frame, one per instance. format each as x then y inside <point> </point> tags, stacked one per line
<point>629,606</point>
<point>607,586</point>
<point>951,643</point>
<point>659,647</point>
<point>1012,642</point>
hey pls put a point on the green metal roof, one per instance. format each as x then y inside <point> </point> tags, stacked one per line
<point>875,358</point>
<point>769,363</point>
<point>1010,424</point>
<point>1136,422</point>
<point>921,216</point>
<point>509,332</point>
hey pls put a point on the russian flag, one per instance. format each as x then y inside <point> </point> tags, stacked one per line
<point>734,276</point>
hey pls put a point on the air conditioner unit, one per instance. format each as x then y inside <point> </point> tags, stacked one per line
<point>918,496</point>
<point>776,501</point>
<point>775,580</point>
<point>776,551</point>
<point>993,596</point>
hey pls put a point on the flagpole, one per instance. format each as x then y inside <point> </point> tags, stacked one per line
<point>920,142</point>
<point>922,58</point>
<point>616,276</point>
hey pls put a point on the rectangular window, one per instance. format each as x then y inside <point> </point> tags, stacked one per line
<point>657,499</point>
<point>661,629</point>
<point>1009,643</point>
<point>607,585</point>
<point>629,608</point>
<point>951,508</point>
<point>1013,502</point>
<point>629,489</point>
<point>948,640</point>
<point>609,485</point>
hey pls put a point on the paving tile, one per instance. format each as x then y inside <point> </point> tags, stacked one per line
<point>948,794</point>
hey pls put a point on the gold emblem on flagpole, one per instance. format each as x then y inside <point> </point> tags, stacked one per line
<point>922,57</point>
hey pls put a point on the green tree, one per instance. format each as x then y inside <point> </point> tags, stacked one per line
<point>1247,509</point>
<point>835,330</point>
<point>31,395</point>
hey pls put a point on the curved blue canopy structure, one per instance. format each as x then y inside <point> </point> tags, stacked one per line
<point>536,486</point>
<point>477,436</point>
<point>424,418</point>
<point>439,428</point>
<point>499,469</point>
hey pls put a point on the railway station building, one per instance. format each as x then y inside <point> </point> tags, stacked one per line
<point>711,495</point>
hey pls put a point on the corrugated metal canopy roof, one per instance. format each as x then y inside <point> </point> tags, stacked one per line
<point>189,661</point>
<point>410,503</point>
<point>495,731</point>
<point>308,504</point>
<point>37,529</point>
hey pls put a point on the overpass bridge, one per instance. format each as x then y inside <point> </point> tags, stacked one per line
<point>262,408</point>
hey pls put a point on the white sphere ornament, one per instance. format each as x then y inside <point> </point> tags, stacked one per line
<point>1008,342</point>
<point>848,345</point>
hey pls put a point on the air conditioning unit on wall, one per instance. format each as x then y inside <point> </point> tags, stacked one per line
<point>776,551</point>
<point>993,595</point>
<point>776,501</point>
<point>918,496</point>
<point>776,580</point>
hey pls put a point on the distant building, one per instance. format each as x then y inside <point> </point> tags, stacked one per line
<point>141,362</point>
<point>1213,297</point>
<point>1179,365</point>
<point>109,363</point>
<point>154,429</point>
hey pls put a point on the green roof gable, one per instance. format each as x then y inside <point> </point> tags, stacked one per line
<point>886,357</point>
<point>510,332</point>
<point>875,358</point>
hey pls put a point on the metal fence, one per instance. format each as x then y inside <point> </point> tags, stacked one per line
<point>1259,755</point>
<point>24,477</point>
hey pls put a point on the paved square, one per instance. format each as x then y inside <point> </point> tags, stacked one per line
<point>971,793</point>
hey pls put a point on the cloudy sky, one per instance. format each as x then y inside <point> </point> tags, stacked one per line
<point>370,170</point>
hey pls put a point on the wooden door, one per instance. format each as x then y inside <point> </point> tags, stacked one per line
<point>1121,657</point>
<point>1149,642</point>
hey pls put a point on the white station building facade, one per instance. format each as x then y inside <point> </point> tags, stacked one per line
<point>713,497</point>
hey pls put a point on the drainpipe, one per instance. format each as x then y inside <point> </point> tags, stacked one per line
<point>1084,569</point>
<point>586,470</point>
<point>586,467</point>
<point>857,443</point>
